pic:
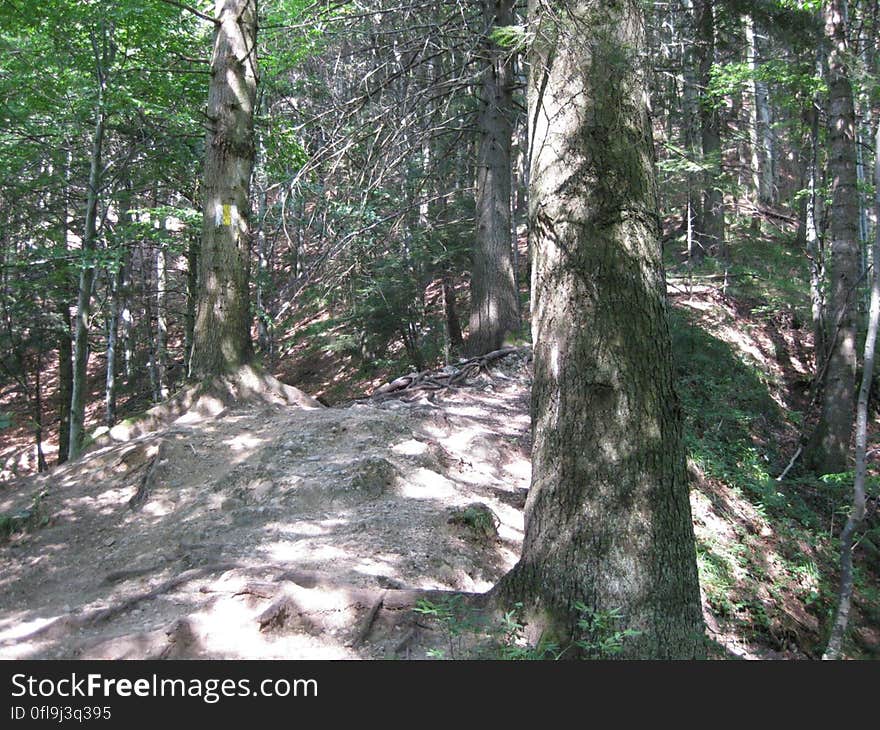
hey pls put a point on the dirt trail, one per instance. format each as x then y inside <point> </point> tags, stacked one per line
<point>271,532</point>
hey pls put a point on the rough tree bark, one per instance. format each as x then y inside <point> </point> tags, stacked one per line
<point>493,283</point>
<point>828,450</point>
<point>608,521</point>
<point>221,341</point>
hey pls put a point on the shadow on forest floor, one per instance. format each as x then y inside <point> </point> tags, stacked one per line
<point>767,551</point>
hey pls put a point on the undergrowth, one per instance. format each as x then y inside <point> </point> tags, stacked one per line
<point>469,634</point>
<point>768,551</point>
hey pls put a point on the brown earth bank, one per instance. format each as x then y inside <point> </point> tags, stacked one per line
<point>272,532</point>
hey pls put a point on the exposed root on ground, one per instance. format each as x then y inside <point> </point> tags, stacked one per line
<point>449,377</point>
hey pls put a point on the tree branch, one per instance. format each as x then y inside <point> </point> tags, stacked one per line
<point>188,8</point>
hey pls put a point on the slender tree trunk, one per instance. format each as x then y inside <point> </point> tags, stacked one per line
<point>264,272</point>
<point>760,124</point>
<point>65,382</point>
<point>148,334</point>
<point>221,341</point>
<point>608,521</point>
<point>112,341</point>
<point>493,283</point>
<point>755,154</point>
<point>127,324</point>
<point>37,410</point>
<point>815,250</point>
<point>691,126</point>
<point>86,280</point>
<point>767,187</point>
<point>450,311</point>
<point>857,511</point>
<point>828,450</point>
<point>192,293</point>
<point>162,322</point>
<point>712,208</point>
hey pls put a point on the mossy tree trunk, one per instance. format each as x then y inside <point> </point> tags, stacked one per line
<point>221,338</point>
<point>608,521</point>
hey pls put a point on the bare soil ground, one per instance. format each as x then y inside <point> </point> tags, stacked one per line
<point>271,532</point>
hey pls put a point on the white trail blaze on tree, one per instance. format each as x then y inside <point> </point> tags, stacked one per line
<point>608,521</point>
<point>222,328</point>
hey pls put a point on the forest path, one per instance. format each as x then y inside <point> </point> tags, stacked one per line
<point>269,532</point>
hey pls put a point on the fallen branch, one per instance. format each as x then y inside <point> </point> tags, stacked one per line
<point>448,377</point>
<point>790,464</point>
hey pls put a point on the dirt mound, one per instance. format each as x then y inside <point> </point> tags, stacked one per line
<point>270,532</point>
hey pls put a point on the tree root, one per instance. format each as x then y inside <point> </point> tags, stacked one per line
<point>367,623</point>
<point>298,602</point>
<point>145,487</point>
<point>449,377</point>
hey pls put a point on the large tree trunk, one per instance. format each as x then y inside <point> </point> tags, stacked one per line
<point>221,342</point>
<point>493,283</point>
<point>608,521</point>
<point>829,447</point>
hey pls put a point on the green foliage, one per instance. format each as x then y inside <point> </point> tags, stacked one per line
<point>788,78</point>
<point>457,621</point>
<point>681,162</point>
<point>515,38</point>
<point>599,634</point>
<point>478,518</point>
